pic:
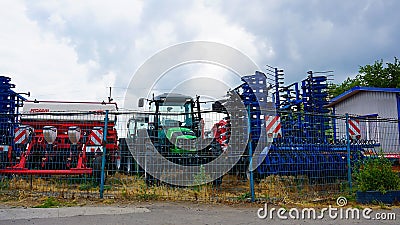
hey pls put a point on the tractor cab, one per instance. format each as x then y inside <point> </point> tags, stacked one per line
<point>173,110</point>
<point>173,123</point>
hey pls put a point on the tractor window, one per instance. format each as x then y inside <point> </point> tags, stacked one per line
<point>135,125</point>
<point>131,128</point>
<point>176,114</point>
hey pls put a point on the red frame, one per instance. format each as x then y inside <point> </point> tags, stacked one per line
<point>62,142</point>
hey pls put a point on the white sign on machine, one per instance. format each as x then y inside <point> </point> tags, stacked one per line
<point>56,109</point>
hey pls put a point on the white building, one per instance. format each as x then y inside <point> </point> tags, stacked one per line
<point>378,113</point>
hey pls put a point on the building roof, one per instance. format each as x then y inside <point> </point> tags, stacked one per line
<point>357,89</point>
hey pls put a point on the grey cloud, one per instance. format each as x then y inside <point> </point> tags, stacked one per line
<point>361,32</point>
<point>319,35</point>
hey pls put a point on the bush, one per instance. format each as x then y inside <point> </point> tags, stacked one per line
<point>376,174</point>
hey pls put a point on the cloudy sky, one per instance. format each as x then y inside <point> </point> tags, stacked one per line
<point>75,50</point>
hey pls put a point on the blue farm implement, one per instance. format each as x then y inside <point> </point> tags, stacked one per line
<point>10,102</point>
<point>302,131</point>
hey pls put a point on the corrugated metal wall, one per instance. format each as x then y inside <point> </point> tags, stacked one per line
<point>382,103</point>
<point>364,103</point>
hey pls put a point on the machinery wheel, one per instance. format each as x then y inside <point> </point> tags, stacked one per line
<point>217,182</point>
<point>128,166</point>
<point>97,169</point>
<point>111,168</point>
<point>211,152</point>
<point>151,181</point>
<point>127,161</point>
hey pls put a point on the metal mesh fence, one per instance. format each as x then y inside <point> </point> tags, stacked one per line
<point>132,155</point>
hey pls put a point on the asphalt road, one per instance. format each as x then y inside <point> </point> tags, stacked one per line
<point>173,213</point>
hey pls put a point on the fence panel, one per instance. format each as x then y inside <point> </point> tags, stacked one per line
<point>60,154</point>
<point>57,153</point>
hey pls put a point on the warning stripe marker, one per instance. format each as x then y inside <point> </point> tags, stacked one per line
<point>96,136</point>
<point>20,135</point>
<point>273,125</point>
<point>354,127</point>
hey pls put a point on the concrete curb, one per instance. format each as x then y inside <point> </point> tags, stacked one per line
<point>35,213</point>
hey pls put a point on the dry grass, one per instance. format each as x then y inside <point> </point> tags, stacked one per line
<point>293,190</point>
<point>28,191</point>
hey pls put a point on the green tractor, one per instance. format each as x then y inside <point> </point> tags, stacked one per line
<point>175,128</point>
<point>174,125</point>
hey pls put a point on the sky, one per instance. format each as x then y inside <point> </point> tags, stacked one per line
<point>76,50</point>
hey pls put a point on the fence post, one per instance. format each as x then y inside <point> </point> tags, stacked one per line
<point>348,153</point>
<point>250,154</point>
<point>103,157</point>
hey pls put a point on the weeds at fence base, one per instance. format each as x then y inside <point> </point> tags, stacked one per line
<point>73,190</point>
<point>49,202</point>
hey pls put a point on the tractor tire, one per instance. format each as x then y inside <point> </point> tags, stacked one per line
<point>151,181</point>
<point>211,152</point>
<point>96,166</point>
<point>111,168</point>
<point>127,160</point>
<point>217,182</point>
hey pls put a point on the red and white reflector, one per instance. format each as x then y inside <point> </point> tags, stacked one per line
<point>21,135</point>
<point>96,135</point>
<point>354,129</point>
<point>273,127</point>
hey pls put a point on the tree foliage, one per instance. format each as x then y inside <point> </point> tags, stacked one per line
<point>375,75</point>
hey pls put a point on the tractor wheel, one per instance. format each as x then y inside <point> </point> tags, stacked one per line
<point>151,181</point>
<point>127,161</point>
<point>211,152</point>
<point>111,168</point>
<point>217,182</point>
<point>128,165</point>
<point>97,161</point>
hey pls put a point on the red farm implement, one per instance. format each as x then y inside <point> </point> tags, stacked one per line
<point>62,138</point>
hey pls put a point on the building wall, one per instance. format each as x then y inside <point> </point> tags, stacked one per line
<point>367,103</point>
<point>364,103</point>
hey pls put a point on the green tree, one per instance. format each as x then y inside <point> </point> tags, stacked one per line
<point>337,89</point>
<point>375,75</point>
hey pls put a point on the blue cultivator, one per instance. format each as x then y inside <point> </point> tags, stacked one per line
<point>9,104</point>
<point>304,142</point>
